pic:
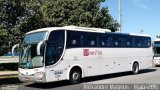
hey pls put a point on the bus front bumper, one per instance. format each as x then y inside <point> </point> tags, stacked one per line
<point>31,78</point>
<point>156,61</point>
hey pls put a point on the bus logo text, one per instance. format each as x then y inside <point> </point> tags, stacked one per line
<point>87,52</point>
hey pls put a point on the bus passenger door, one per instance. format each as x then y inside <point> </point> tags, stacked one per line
<point>54,51</point>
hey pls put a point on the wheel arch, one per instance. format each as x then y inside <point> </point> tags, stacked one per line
<point>135,61</point>
<point>75,67</point>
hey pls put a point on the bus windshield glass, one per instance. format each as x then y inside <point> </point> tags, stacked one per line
<point>34,37</point>
<point>157,48</point>
<point>28,55</point>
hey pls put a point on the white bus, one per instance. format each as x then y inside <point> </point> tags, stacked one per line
<point>71,53</point>
<point>156,46</point>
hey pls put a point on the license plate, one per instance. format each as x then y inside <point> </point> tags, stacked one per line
<point>27,78</point>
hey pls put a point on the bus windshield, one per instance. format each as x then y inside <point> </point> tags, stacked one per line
<point>34,37</point>
<point>28,55</point>
<point>157,49</point>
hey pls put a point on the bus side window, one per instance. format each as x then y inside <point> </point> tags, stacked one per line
<point>127,41</point>
<point>109,41</point>
<point>102,40</point>
<point>117,41</point>
<point>82,40</point>
<point>92,40</point>
<point>92,43</point>
<point>147,42</point>
<point>74,39</point>
<point>133,42</point>
<point>74,42</point>
<point>137,42</point>
<point>50,55</point>
<point>140,42</point>
<point>53,51</point>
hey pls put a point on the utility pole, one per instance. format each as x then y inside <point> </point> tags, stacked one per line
<point>119,15</point>
<point>141,31</point>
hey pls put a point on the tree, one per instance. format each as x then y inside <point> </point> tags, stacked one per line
<point>85,13</point>
<point>10,12</point>
<point>16,19</point>
<point>20,16</point>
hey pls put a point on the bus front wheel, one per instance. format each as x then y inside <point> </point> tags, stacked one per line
<point>135,68</point>
<point>75,76</point>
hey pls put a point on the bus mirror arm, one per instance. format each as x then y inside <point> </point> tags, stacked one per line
<point>13,48</point>
<point>39,47</point>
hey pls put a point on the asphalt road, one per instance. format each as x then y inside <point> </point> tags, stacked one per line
<point>148,76</point>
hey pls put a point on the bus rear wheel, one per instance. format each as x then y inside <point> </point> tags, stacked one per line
<point>135,68</point>
<point>75,76</point>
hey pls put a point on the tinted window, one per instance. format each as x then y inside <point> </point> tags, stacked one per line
<point>127,41</point>
<point>157,44</point>
<point>34,37</point>
<point>147,42</point>
<point>82,39</point>
<point>109,42</point>
<point>54,47</point>
<point>102,40</point>
<point>92,40</point>
<point>117,41</point>
<point>88,39</point>
<point>75,39</point>
<point>141,42</point>
<point>57,37</point>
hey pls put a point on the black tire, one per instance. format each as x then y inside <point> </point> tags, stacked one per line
<point>135,68</point>
<point>154,65</point>
<point>75,76</point>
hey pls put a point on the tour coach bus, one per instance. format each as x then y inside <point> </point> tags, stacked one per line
<point>71,53</point>
<point>156,46</point>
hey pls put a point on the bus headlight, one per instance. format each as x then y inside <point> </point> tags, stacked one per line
<point>39,74</point>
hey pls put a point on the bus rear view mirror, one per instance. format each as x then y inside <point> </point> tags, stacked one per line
<point>13,49</point>
<point>39,47</point>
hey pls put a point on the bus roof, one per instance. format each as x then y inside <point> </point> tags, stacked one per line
<point>74,28</point>
<point>157,39</point>
<point>140,34</point>
<point>85,29</point>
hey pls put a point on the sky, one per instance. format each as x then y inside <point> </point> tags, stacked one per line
<point>137,15</point>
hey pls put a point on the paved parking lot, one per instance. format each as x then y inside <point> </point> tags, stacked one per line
<point>149,76</point>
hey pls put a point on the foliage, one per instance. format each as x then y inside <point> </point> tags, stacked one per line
<point>20,16</point>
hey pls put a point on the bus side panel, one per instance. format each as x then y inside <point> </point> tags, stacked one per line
<point>149,61</point>
<point>57,72</point>
<point>74,57</point>
<point>109,60</point>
